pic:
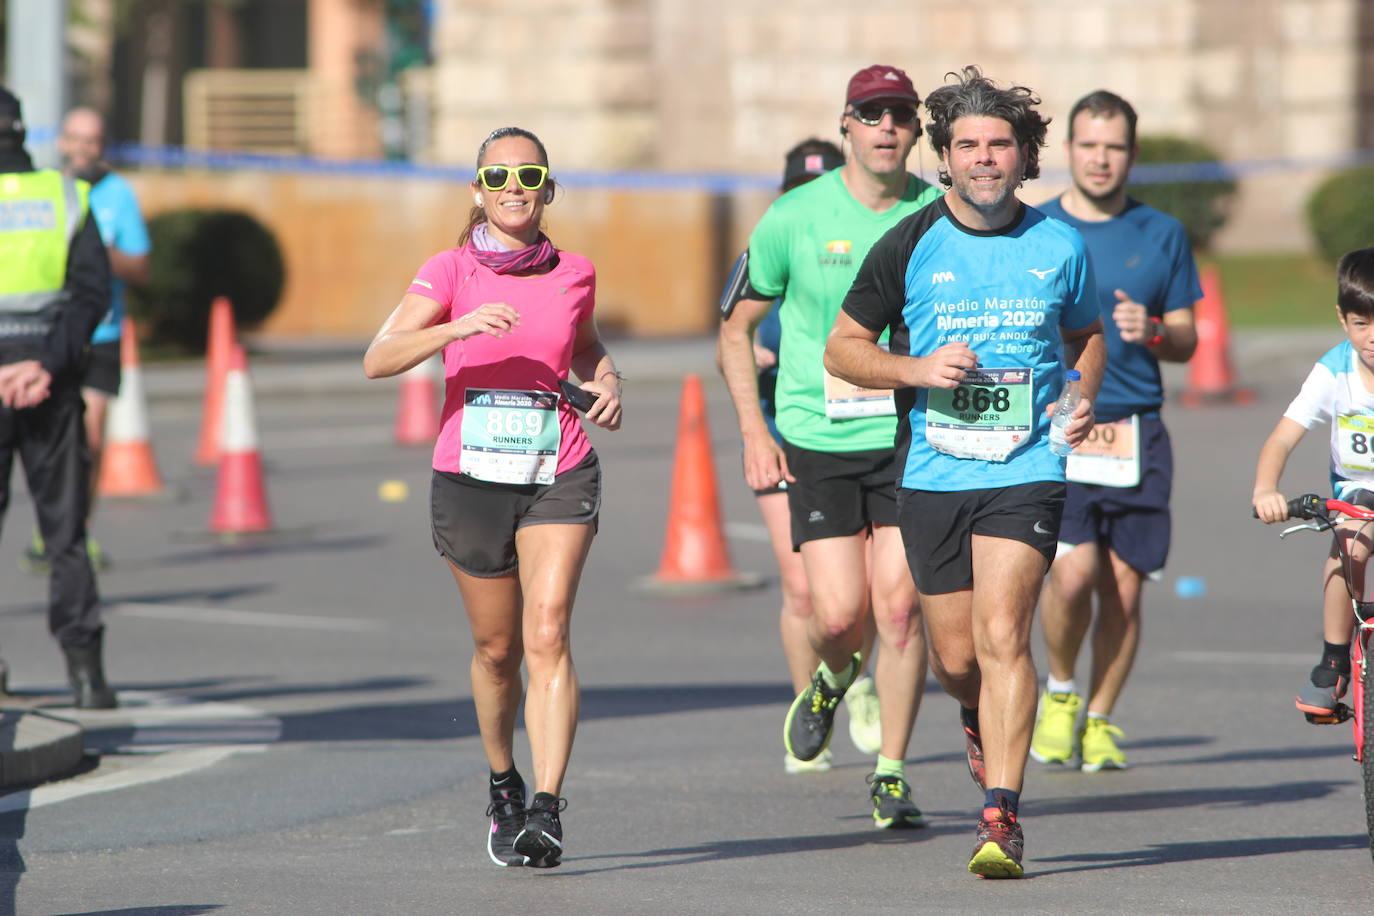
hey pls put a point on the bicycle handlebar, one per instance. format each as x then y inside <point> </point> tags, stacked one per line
<point>1310,505</point>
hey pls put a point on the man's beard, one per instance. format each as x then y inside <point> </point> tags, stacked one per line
<point>93,172</point>
<point>1102,196</point>
<point>987,208</point>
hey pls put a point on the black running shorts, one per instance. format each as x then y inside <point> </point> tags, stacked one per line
<point>475,521</point>
<point>102,368</point>
<point>938,528</point>
<point>837,494</point>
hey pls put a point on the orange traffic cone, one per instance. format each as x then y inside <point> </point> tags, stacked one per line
<point>1210,379</point>
<point>219,345</point>
<point>417,406</point>
<point>240,498</point>
<point>127,467</point>
<point>695,557</point>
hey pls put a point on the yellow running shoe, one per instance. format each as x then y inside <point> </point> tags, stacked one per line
<point>865,724</point>
<point>1052,741</point>
<point>1099,746</point>
<point>792,766</point>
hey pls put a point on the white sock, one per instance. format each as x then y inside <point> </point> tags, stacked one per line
<point>1054,685</point>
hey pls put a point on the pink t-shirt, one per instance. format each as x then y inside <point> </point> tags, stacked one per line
<point>533,357</point>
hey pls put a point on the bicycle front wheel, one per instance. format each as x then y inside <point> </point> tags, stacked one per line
<point>1365,734</point>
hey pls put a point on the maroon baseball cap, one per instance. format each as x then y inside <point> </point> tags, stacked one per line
<point>880,82</point>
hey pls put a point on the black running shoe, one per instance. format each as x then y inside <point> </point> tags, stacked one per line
<point>892,804</point>
<point>541,841</point>
<point>507,813</point>
<point>812,717</point>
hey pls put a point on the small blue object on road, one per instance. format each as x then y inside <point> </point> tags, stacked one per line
<point>1190,587</point>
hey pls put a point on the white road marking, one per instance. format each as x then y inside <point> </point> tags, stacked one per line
<point>1240,658</point>
<point>243,618</point>
<point>325,437</point>
<point>746,531</point>
<point>172,736</point>
<point>155,769</point>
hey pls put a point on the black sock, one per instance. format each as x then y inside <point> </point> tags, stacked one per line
<point>544,800</point>
<point>501,779</point>
<point>970,718</point>
<point>994,798</point>
<point>1336,655</point>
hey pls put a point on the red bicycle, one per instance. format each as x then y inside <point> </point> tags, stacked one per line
<point>1320,511</point>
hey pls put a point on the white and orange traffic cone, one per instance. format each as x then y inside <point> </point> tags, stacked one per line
<point>695,556</point>
<point>219,345</point>
<point>417,405</point>
<point>240,496</point>
<point>127,466</point>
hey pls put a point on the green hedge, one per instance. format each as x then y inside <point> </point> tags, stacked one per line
<point>201,254</point>
<point>1202,206</point>
<point>1340,215</point>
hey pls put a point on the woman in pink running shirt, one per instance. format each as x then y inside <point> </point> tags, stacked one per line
<point>516,487</point>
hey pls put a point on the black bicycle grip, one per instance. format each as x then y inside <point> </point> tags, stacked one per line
<point>1309,505</point>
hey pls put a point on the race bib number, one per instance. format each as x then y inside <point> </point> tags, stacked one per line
<point>1355,442</point>
<point>510,436</point>
<point>987,417</point>
<point>1109,457</point>
<point>844,401</point>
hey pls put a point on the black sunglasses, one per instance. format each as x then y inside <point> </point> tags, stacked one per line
<point>871,113</point>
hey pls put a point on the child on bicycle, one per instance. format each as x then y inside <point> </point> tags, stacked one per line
<point>1339,390</point>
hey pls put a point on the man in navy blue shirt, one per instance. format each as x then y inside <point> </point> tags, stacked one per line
<point>1115,530</point>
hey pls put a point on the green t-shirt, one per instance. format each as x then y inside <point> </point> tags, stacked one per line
<point>806,250</point>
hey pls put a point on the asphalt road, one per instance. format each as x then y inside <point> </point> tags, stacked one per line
<point>298,737</point>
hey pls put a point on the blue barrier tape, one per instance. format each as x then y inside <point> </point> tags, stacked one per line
<point>176,157</point>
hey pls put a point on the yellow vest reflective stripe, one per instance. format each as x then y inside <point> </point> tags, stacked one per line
<point>40,213</point>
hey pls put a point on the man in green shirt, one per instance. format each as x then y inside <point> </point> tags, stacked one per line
<point>837,456</point>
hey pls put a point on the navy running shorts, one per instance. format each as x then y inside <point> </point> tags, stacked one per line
<point>938,528</point>
<point>838,494</point>
<point>1134,522</point>
<point>474,521</point>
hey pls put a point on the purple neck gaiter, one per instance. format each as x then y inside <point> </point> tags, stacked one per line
<point>492,254</point>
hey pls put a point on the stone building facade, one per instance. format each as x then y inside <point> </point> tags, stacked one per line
<point>728,85</point>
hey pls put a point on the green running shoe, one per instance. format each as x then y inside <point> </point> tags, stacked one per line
<point>811,720</point>
<point>821,764</point>
<point>36,556</point>
<point>892,804</point>
<point>865,723</point>
<point>1099,746</point>
<point>1052,741</point>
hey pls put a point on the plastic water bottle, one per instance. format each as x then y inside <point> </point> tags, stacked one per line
<point>1063,412</point>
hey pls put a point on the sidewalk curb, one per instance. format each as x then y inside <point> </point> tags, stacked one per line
<point>35,746</point>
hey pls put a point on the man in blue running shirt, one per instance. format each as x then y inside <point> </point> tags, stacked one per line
<point>987,303</point>
<point>82,147</point>
<point>1115,531</point>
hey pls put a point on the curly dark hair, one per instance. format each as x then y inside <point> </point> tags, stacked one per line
<point>974,95</point>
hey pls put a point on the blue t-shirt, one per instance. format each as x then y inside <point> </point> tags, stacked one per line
<point>121,226</point>
<point>1144,253</point>
<point>1006,293</point>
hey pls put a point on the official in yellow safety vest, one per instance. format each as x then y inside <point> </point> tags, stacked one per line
<point>54,288</point>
